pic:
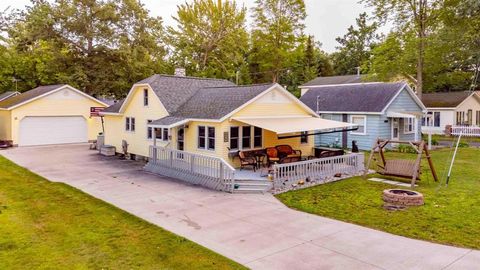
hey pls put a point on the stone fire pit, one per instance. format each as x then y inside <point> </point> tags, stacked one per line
<point>401,198</point>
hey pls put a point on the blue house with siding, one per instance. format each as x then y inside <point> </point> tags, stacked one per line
<point>381,110</point>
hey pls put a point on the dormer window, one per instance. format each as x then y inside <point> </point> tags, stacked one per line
<point>145,97</point>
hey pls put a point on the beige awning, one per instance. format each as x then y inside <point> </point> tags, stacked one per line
<point>294,125</point>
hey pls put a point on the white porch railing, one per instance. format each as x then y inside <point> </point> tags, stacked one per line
<point>468,131</point>
<point>287,176</point>
<point>210,172</point>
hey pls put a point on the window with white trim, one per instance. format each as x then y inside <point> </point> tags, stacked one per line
<point>165,134</point>
<point>158,133</point>
<point>408,125</point>
<point>211,138</point>
<point>246,137</point>
<point>234,138</point>
<point>361,121</point>
<point>206,137</point>
<point>436,119</point>
<point>145,97</point>
<point>130,124</point>
<point>470,117</point>
<point>257,137</point>
<point>304,137</point>
<point>149,130</point>
<point>460,118</point>
<point>477,121</point>
<point>127,124</point>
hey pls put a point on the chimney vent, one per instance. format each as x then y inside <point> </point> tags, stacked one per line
<point>180,72</point>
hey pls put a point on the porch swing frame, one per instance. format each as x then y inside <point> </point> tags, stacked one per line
<point>401,167</point>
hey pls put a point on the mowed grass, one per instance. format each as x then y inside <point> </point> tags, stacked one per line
<point>45,225</point>
<point>451,215</point>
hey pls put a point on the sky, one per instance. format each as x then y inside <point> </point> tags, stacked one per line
<point>326,19</point>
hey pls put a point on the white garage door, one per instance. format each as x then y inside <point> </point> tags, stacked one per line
<point>52,130</point>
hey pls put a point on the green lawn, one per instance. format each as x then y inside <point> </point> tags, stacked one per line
<point>451,214</point>
<point>53,226</point>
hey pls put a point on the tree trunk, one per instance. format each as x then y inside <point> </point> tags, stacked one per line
<point>421,24</point>
<point>420,63</point>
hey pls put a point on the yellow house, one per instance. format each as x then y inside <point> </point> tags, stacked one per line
<point>52,114</point>
<point>210,117</point>
<point>199,130</point>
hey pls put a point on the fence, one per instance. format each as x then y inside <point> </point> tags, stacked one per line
<point>468,131</point>
<point>311,172</point>
<point>210,172</point>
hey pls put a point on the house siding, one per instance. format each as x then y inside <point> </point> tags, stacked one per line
<point>137,141</point>
<point>378,126</point>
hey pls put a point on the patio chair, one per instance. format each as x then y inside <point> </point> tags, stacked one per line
<point>247,160</point>
<point>287,151</point>
<point>272,155</point>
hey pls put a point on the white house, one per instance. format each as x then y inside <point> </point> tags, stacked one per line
<point>450,109</point>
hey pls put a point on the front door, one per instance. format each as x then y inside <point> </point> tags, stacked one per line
<point>181,139</point>
<point>395,129</point>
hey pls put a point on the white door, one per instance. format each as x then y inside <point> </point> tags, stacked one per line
<point>43,130</point>
<point>395,129</point>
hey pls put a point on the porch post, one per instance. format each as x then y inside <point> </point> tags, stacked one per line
<point>154,150</point>
<point>415,127</point>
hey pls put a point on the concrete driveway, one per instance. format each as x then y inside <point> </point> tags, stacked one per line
<point>253,229</point>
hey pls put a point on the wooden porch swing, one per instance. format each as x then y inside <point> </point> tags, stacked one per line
<point>403,168</point>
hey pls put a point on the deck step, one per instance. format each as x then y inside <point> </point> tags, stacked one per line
<point>250,190</point>
<point>252,186</point>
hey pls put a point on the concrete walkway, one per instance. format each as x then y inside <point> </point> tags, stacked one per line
<point>255,230</point>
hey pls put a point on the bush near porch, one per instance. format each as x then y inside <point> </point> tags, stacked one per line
<point>451,215</point>
<point>46,225</point>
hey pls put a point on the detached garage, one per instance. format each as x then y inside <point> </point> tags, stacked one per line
<point>53,114</point>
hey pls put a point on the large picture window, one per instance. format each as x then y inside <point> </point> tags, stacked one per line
<point>246,136</point>
<point>361,121</point>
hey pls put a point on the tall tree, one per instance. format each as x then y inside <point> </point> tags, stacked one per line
<point>355,46</point>
<point>277,31</point>
<point>420,16</point>
<point>210,38</point>
<point>97,46</point>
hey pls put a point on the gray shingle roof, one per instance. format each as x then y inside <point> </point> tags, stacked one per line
<point>8,94</point>
<point>367,97</point>
<point>445,99</point>
<point>167,120</point>
<point>115,108</point>
<point>26,96</point>
<point>174,91</point>
<point>332,80</point>
<point>216,102</point>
